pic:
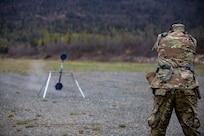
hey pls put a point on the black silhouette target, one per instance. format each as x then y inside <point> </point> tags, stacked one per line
<point>59,85</point>
<point>63,57</point>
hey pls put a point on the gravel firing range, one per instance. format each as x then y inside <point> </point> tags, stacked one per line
<point>115,104</point>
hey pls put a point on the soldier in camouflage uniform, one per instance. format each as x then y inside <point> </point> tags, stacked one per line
<point>174,85</point>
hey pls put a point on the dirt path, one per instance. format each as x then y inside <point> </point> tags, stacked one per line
<point>116,103</point>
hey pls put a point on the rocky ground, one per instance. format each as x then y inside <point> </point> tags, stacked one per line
<point>115,104</point>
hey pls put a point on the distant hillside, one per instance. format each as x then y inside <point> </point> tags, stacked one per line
<point>23,21</point>
<point>127,13</point>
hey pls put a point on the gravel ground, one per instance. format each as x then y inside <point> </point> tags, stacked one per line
<point>115,104</point>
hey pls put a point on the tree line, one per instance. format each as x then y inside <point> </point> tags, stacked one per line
<point>114,28</point>
<point>102,46</point>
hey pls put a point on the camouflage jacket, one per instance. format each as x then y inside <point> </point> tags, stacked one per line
<point>176,52</point>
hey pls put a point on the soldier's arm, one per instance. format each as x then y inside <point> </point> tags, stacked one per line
<point>157,42</point>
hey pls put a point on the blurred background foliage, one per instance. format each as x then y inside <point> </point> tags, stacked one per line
<point>94,29</point>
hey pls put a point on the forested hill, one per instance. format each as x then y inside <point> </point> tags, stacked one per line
<point>25,20</point>
<point>85,13</point>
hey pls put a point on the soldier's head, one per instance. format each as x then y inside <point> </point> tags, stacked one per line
<point>178,27</point>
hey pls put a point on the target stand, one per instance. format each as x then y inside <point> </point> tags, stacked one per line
<point>59,85</point>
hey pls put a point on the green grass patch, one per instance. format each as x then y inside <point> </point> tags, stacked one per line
<point>107,66</point>
<point>199,70</point>
<point>95,129</point>
<point>10,115</point>
<point>22,122</point>
<point>37,66</point>
<point>30,126</point>
<point>74,113</point>
<point>81,131</point>
<point>14,65</point>
<point>122,125</point>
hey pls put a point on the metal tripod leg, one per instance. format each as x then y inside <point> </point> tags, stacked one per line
<point>46,87</point>
<point>76,82</point>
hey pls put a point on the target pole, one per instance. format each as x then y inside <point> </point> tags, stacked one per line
<point>59,85</point>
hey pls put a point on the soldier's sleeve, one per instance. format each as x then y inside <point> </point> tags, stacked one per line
<point>193,40</point>
<point>157,42</point>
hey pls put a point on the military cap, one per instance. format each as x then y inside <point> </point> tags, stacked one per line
<point>178,27</point>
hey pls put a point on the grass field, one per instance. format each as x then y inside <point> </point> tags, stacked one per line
<point>34,66</point>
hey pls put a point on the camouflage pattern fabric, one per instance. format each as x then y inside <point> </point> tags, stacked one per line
<point>174,84</point>
<point>185,104</point>
<point>175,49</point>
